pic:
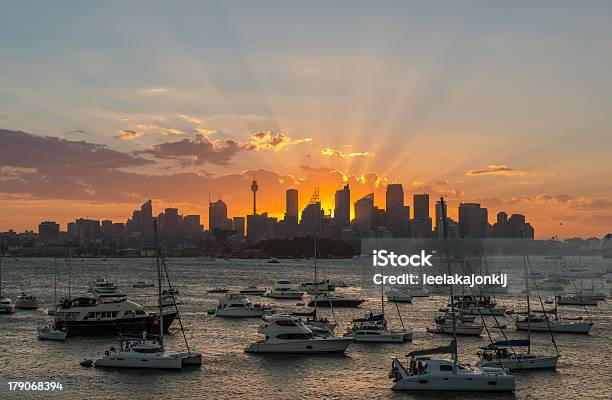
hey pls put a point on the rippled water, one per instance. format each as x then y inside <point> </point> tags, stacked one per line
<point>229,373</point>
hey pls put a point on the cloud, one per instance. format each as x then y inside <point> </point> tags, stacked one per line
<point>272,141</point>
<point>127,134</point>
<point>172,132</point>
<point>191,118</point>
<point>154,90</point>
<point>591,204</point>
<point>337,153</point>
<point>495,169</point>
<point>196,151</point>
<point>308,168</point>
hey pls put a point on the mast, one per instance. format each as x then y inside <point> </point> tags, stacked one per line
<point>528,302</point>
<point>159,283</point>
<point>0,276</point>
<point>452,300</point>
<point>55,282</point>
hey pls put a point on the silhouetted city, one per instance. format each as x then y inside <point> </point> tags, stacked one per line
<point>240,235</point>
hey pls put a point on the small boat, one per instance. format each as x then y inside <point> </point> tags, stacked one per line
<point>101,286</point>
<point>284,289</point>
<point>592,293</point>
<point>576,300</point>
<point>424,373</point>
<point>52,333</point>
<point>143,284</point>
<point>288,335</point>
<point>237,305</point>
<point>273,261</point>
<point>312,287</point>
<point>6,306</point>
<point>26,301</point>
<point>253,291</point>
<point>444,325</point>
<point>541,324</point>
<point>373,328</point>
<point>497,355</point>
<point>478,305</point>
<point>335,300</point>
<point>399,296</point>
<point>218,290</point>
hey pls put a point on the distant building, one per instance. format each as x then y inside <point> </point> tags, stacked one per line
<point>238,225</point>
<point>312,215</point>
<point>342,208</point>
<point>397,215</point>
<point>421,224</point>
<point>473,220</point>
<point>49,232</point>
<point>364,211</point>
<point>192,226</point>
<point>217,216</point>
<point>290,222</point>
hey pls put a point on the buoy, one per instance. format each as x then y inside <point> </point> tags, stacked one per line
<point>87,363</point>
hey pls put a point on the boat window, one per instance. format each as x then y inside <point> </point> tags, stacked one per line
<point>446,367</point>
<point>294,336</point>
<point>286,322</point>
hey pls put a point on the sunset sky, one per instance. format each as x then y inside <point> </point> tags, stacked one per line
<point>106,104</point>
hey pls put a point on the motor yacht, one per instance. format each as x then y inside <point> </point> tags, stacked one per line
<point>237,305</point>
<point>283,289</point>
<point>547,324</point>
<point>399,296</point>
<point>253,291</point>
<point>320,287</point>
<point>6,306</point>
<point>503,355</point>
<point>335,300</point>
<point>592,293</point>
<point>142,284</point>
<point>100,286</point>
<point>218,290</point>
<point>373,328</point>
<point>424,373</point>
<point>478,305</point>
<point>287,334</point>
<point>26,301</point>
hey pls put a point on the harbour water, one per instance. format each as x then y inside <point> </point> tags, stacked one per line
<point>583,371</point>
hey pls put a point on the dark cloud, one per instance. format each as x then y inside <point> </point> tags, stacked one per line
<point>196,151</point>
<point>495,169</point>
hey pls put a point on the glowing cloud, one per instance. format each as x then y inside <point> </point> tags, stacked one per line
<point>154,90</point>
<point>337,153</point>
<point>172,132</point>
<point>272,141</point>
<point>495,169</point>
<point>191,118</point>
<point>127,134</point>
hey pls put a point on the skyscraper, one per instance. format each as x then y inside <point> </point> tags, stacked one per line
<point>49,232</point>
<point>147,221</point>
<point>342,209</point>
<point>312,215</point>
<point>473,220</point>
<point>239,223</point>
<point>421,207</point>
<point>364,212</point>
<point>217,215</point>
<point>394,195</point>
<point>397,215</point>
<point>291,203</point>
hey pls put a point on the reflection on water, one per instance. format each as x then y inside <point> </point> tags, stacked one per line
<point>229,373</point>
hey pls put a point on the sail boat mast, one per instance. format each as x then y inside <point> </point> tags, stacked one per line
<point>159,285</point>
<point>452,300</point>
<point>528,301</point>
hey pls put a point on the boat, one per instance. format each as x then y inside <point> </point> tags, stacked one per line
<point>479,305</point>
<point>237,305</point>
<point>321,286</point>
<point>399,296</point>
<point>218,290</point>
<point>6,305</point>
<point>253,291</point>
<point>148,351</point>
<point>26,301</point>
<point>288,335</point>
<point>537,323</point>
<point>101,286</point>
<point>373,328</point>
<point>52,333</point>
<point>273,261</point>
<point>502,354</point>
<point>447,325</point>
<point>431,374</point>
<point>575,300</point>
<point>283,289</point>
<point>335,300</point>
<point>592,293</point>
<point>142,284</point>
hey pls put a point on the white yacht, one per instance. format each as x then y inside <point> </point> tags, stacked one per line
<point>424,373</point>
<point>52,333</point>
<point>6,306</point>
<point>444,325</point>
<point>287,334</point>
<point>101,286</point>
<point>26,301</point>
<point>253,291</point>
<point>239,306</point>
<point>399,296</point>
<point>373,328</point>
<point>283,289</point>
<point>540,324</point>
<point>497,355</point>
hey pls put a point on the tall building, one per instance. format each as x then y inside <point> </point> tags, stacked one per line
<point>397,215</point>
<point>172,221</point>
<point>473,220</point>
<point>217,215</point>
<point>421,207</point>
<point>312,215</point>
<point>291,203</point>
<point>49,232</point>
<point>342,209</point>
<point>364,213</point>
<point>192,226</point>
<point>517,227</point>
<point>147,221</point>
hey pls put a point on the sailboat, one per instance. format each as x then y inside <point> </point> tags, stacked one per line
<point>52,332</point>
<point>6,305</point>
<point>431,374</point>
<point>503,354</point>
<point>149,351</point>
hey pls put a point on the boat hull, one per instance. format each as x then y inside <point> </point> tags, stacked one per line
<point>498,312</point>
<point>118,361</point>
<point>382,338</point>
<point>52,335</point>
<point>577,302</point>
<point>464,331</point>
<point>105,328</point>
<point>321,346</point>
<point>555,326</point>
<point>345,303</point>
<point>281,295</point>
<point>496,383</point>
<point>26,304</point>
<point>520,363</point>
